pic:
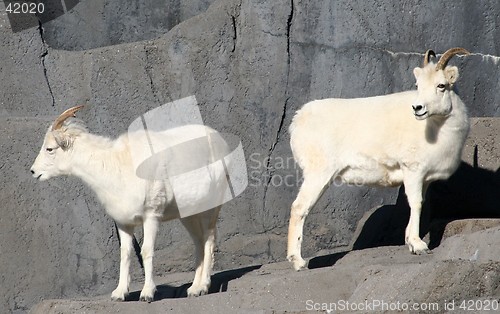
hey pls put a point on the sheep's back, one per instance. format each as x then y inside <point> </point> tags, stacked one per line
<point>336,130</point>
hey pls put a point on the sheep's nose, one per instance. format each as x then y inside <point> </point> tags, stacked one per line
<point>417,107</point>
<point>32,171</point>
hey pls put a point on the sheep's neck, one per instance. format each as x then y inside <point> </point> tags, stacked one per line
<point>96,162</point>
<point>450,131</point>
<point>457,125</point>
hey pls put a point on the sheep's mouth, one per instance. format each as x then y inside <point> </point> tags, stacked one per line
<point>421,116</point>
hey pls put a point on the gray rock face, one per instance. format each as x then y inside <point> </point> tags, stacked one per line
<point>251,65</point>
<point>92,24</point>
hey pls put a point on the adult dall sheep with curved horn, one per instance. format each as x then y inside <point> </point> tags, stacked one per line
<point>410,138</point>
<point>107,166</point>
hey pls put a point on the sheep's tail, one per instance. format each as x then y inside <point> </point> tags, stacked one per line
<point>302,136</point>
<point>294,131</point>
<point>295,121</point>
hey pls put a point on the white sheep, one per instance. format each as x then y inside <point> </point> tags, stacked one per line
<point>380,141</point>
<point>107,167</point>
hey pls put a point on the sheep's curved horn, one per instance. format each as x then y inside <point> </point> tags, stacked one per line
<point>65,115</point>
<point>443,61</point>
<point>428,54</point>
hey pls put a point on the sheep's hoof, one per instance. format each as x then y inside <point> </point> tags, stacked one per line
<point>418,247</point>
<point>118,295</point>
<point>117,299</point>
<point>196,292</point>
<point>422,252</point>
<point>298,262</point>
<point>147,294</point>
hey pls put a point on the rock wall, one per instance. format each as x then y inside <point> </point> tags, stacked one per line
<point>250,64</point>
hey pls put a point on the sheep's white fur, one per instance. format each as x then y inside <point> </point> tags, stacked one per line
<point>379,141</point>
<point>107,167</point>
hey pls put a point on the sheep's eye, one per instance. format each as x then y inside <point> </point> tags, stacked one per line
<point>49,149</point>
<point>441,86</point>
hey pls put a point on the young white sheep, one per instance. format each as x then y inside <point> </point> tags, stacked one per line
<point>380,141</point>
<point>107,167</point>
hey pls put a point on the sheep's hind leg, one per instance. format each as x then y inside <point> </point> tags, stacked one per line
<point>194,227</point>
<point>202,228</point>
<point>313,186</point>
<point>121,291</point>
<point>209,236</point>
<point>147,252</point>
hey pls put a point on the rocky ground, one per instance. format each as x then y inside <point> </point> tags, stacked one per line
<point>461,275</point>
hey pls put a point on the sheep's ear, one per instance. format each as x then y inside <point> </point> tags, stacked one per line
<point>451,74</point>
<point>62,139</point>
<point>417,71</point>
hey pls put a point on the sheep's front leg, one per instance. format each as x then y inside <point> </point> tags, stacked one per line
<point>415,193</point>
<point>126,236</point>
<point>147,253</point>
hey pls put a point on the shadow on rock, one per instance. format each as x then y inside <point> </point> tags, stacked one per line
<point>325,260</point>
<point>471,192</point>
<point>219,284</point>
<point>220,280</point>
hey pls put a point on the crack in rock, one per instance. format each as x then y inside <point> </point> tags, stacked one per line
<point>487,57</point>
<point>285,105</point>
<point>42,60</point>
<point>235,32</point>
<point>235,14</point>
<point>148,68</point>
